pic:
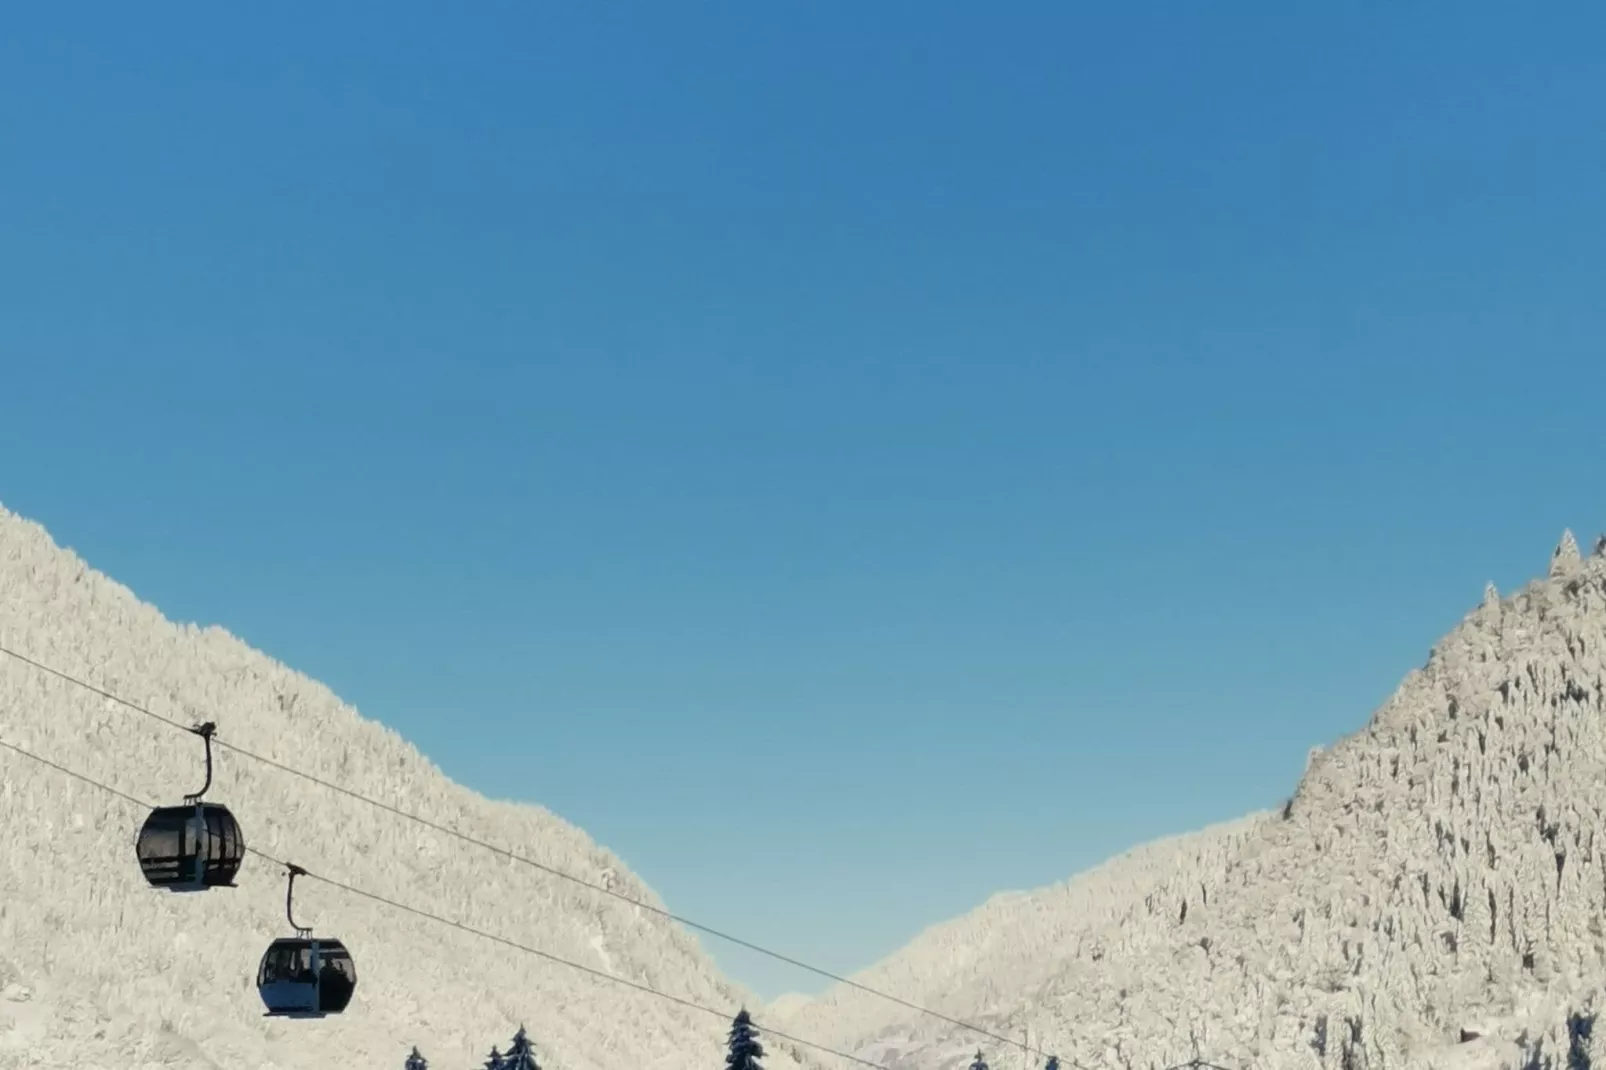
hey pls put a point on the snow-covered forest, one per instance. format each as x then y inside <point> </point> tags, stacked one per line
<point>100,969</point>
<point>1431,896</point>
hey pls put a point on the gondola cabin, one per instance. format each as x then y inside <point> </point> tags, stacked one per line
<point>306,977</point>
<point>190,848</point>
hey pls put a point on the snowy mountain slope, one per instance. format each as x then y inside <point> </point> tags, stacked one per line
<point>1012,942</point>
<point>98,969</point>
<point>1434,895</point>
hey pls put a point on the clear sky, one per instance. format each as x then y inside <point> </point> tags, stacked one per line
<point>849,458</point>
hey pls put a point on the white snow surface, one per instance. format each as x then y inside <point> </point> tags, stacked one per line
<point>1439,871</point>
<point>98,969</point>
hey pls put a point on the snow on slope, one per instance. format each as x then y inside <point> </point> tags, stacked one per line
<point>98,969</point>
<point>1014,941</point>
<point>1434,895</point>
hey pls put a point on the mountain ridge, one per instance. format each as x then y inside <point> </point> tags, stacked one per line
<point>1397,910</point>
<point>105,967</point>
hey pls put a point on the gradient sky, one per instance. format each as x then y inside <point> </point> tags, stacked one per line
<point>850,459</point>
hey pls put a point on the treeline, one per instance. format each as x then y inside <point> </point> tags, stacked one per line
<point>743,1052</point>
<point>520,1056</point>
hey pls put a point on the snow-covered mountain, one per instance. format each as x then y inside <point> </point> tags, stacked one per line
<point>97,969</point>
<point>1434,894</point>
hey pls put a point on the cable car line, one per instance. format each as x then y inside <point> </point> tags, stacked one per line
<point>295,870</point>
<point>505,941</point>
<point>515,857</point>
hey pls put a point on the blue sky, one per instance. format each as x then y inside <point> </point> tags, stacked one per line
<point>849,459</point>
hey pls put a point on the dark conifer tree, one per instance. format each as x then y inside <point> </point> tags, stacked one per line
<point>416,1061</point>
<point>745,1050</point>
<point>495,1061</point>
<point>520,1056</point>
<point>1053,1063</point>
<point>980,1063</point>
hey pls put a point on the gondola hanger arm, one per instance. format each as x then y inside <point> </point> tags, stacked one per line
<point>289,898</point>
<point>206,731</point>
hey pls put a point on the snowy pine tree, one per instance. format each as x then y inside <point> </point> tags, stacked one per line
<point>519,1056</point>
<point>745,1049</point>
<point>1053,1063</point>
<point>416,1061</point>
<point>980,1063</point>
<point>495,1061</point>
<point>1565,556</point>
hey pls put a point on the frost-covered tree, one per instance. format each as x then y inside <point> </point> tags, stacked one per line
<point>520,1056</point>
<point>416,1061</point>
<point>745,1049</point>
<point>1565,556</point>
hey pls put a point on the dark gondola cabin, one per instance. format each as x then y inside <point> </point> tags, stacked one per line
<point>303,977</point>
<point>195,846</point>
<point>190,848</point>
